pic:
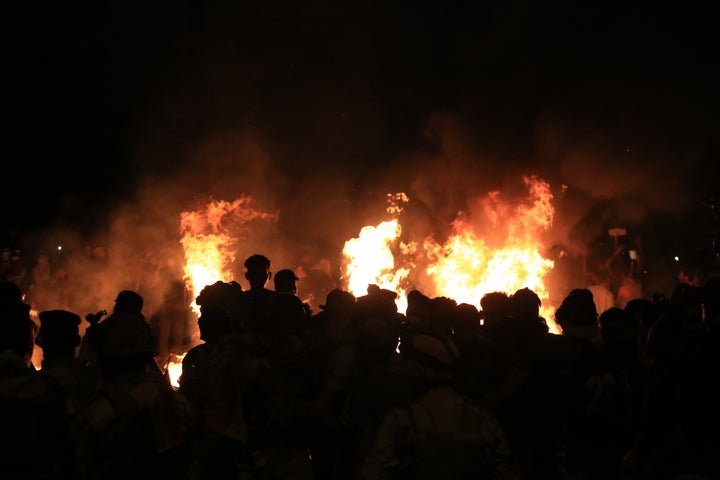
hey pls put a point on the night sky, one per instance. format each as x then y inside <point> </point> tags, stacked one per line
<point>325,103</point>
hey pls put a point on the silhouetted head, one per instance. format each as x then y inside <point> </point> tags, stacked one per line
<point>617,324</point>
<point>428,356</point>
<point>391,295</point>
<point>467,317</point>
<point>59,332</point>
<point>495,311</point>
<point>214,321</point>
<point>442,314</point>
<point>17,329</point>
<point>257,271</point>
<point>285,281</point>
<point>375,305</point>
<point>418,307</point>
<point>525,312</point>
<point>577,315</point>
<point>128,301</point>
<point>10,291</point>
<point>227,295</point>
<point>525,303</point>
<point>338,300</point>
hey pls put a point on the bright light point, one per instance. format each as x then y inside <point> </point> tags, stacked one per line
<point>677,259</point>
<point>59,247</point>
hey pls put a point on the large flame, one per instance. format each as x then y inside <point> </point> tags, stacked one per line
<point>369,258</point>
<point>467,265</point>
<point>209,240</point>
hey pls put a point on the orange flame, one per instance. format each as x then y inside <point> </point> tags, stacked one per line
<point>209,240</point>
<point>174,369</point>
<point>466,266</point>
<point>369,258</point>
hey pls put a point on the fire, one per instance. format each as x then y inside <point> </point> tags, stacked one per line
<point>174,369</point>
<point>208,237</point>
<point>466,266</point>
<point>370,259</point>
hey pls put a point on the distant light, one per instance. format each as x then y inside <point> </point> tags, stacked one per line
<point>677,259</point>
<point>59,247</point>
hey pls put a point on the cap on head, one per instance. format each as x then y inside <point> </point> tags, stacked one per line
<point>58,325</point>
<point>61,318</point>
<point>285,280</point>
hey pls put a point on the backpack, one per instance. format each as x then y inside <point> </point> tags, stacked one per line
<point>436,454</point>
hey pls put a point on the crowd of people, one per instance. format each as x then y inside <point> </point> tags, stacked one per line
<point>359,390</point>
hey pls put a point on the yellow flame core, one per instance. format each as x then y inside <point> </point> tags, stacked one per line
<point>370,260</point>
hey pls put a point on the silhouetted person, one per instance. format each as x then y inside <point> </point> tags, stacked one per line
<point>523,390</point>
<point>138,427</point>
<point>495,312</point>
<point>333,321</point>
<point>680,416</point>
<point>258,297</point>
<point>439,434</point>
<point>608,424</point>
<point>282,418</point>
<point>59,338</point>
<point>525,312</point>
<point>34,424</point>
<point>578,318</point>
<point>333,331</point>
<point>214,378</point>
<point>418,308</point>
<point>128,304</point>
<point>285,281</point>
